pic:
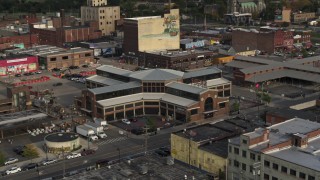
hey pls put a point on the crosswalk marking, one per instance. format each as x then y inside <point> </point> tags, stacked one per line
<point>109,141</point>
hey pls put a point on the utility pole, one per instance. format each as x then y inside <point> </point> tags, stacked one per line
<point>64,165</point>
<point>146,140</point>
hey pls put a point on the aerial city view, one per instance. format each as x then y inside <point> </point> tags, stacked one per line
<point>160,89</point>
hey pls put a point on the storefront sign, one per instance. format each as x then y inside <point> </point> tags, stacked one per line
<point>17,60</point>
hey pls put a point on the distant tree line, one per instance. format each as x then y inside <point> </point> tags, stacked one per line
<point>40,6</point>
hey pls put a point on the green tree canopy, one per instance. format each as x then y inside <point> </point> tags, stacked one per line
<point>30,151</point>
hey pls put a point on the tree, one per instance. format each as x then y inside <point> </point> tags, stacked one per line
<point>2,158</point>
<point>235,106</point>
<point>151,124</point>
<point>30,151</point>
<point>266,98</point>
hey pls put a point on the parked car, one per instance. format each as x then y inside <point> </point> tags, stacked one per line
<point>88,152</point>
<point>38,72</point>
<point>133,119</point>
<point>85,66</point>
<point>17,75</point>
<point>166,150</point>
<point>19,150</point>
<point>56,69</point>
<point>26,74</point>
<point>74,67</point>
<point>161,153</point>
<point>29,166</point>
<point>57,84</point>
<point>48,161</point>
<point>126,121</point>
<point>13,170</point>
<point>137,131</point>
<point>11,161</point>
<point>73,155</point>
<point>31,73</point>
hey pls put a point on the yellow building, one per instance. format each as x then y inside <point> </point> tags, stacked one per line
<point>223,59</point>
<point>206,146</point>
<point>152,33</point>
<point>97,10</point>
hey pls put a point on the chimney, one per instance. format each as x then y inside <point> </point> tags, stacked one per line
<point>266,134</point>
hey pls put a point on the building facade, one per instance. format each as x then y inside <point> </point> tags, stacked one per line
<point>8,42</point>
<point>60,36</point>
<point>17,64</point>
<point>67,58</point>
<point>178,60</point>
<point>206,146</point>
<point>302,17</point>
<point>288,150</point>
<point>154,33</point>
<point>106,16</point>
<point>115,93</point>
<point>246,6</point>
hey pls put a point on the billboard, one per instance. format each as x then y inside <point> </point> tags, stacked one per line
<point>157,33</point>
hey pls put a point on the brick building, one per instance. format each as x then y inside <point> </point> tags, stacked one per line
<point>178,60</point>
<point>18,99</point>
<point>266,39</point>
<point>66,58</point>
<point>288,150</point>
<point>59,36</point>
<point>116,93</point>
<point>8,42</point>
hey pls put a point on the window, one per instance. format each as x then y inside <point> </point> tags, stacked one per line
<point>109,110</point>
<point>302,175</point>
<point>65,57</point>
<point>311,177</point>
<point>87,54</point>
<point>244,153</point>
<point>139,104</point>
<point>119,107</point>
<point>230,149</point>
<point>244,167</point>
<point>267,163</point>
<point>274,178</point>
<point>151,103</point>
<point>129,105</point>
<point>266,176</point>
<point>251,169</point>
<point>252,156</point>
<point>244,141</point>
<point>220,93</point>
<point>284,169</point>
<point>293,172</point>
<point>259,158</point>
<point>236,150</point>
<point>275,166</point>
<point>230,162</point>
<point>194,111</point>
<point>99,110</point>
<point>53,59</point>
<point>236,163</point>
<point>222,105</point>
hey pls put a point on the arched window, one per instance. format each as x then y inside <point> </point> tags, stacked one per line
<point>208,104</point>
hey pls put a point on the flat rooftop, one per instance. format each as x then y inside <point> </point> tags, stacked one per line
<point>179,53</point>
<point>142,18</point>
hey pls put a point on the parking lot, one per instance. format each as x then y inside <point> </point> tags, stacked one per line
<point>138,123</point>
<point>149,167</point>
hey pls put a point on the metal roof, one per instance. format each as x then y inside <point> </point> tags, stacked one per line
<point>259,68</point>
<point>156,75</point>
<point>218,81</point>
<point>186,87</point>
<point>103,80</point>
<point>118,87</point>
<point>201,72</point>
<point>114,70</point>
<point>307,76</point>
<point>241,64</point>
<point>147,96</point>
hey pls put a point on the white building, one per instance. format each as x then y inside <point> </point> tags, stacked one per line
<point>97,10</point>
<point>288,150</point>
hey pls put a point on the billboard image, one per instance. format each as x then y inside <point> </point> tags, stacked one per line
<point>157,33</point>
